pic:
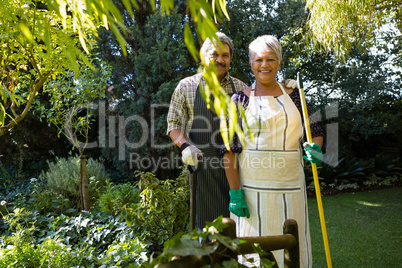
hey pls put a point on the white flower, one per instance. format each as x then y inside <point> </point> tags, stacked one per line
<point>33,180</point>
<point>3,203</point>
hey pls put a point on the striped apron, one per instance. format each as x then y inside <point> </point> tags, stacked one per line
<point>212,194</point>
<point>271,173</point>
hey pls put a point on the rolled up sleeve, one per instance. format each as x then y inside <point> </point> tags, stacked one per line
<point>177,115</point>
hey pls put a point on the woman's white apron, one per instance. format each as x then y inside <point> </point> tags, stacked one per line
<point>271,172</point>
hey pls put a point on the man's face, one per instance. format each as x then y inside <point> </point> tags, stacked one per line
<point>221,57</point>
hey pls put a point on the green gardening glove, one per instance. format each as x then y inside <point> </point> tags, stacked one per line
<point>238,204</point>
<point>313,153</point>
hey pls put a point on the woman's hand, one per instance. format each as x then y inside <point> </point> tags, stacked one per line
<point>238,205</point>
<point>313,153</point>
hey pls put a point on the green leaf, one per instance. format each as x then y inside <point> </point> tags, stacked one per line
<point>135,4</point>
<point>70,210</point>
<point>120,38</point>
<point>167,5</point>
<point>3,93</point>
<point>46,36</point>
<point>127,5</point>
<point>225,240</point>
<point>27,33</point>
<point>232,120</point>
<point>224,130</point>
<point>189,41</point>
<point>223,8</point>
<point>188,247</point>
<point>72,59</point>
<point>152,5</point>
<point>2,114</point>
<point>63,13</point>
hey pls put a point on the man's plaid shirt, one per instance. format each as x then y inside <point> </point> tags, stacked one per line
<point>181,110</point>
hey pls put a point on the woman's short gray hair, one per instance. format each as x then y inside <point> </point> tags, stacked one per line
<point>265,42</point>
<point>208,44</point>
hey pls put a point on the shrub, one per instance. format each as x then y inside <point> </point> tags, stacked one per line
<point>117,198</point>
<point>155,209</point>
<point>87,240</point>
<point>63,178</point>
<point>163,210</point>
<point>51,253</point>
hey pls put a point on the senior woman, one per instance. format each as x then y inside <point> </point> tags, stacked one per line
<point>266,178</point>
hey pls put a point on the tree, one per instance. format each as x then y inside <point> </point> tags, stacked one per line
<point>344,23</point>
<point>46,49</point>
<point>48,27</point>
<point>367,88</point>
<point>72,112</point>
<point>143,83</point>
<point>338,26</point>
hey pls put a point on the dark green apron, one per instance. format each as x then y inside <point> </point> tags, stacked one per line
<point>212,195</point>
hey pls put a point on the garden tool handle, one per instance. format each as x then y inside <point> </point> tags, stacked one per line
<point>193,190</point>
<point>315,173</point>
<point>196,168</point>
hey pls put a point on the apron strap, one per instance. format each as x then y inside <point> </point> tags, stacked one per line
<point>282,88</point>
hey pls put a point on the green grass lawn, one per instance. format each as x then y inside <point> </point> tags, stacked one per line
<point>364,229</point>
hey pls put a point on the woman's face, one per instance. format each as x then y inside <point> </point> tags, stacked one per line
<point>265,64</point>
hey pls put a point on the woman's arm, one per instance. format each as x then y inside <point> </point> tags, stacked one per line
<point>231,170</point>
<point>319,141</point>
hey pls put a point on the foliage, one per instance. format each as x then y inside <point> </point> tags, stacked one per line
<point>101,238</point>
<point>71,99</point>
<point>352,23</point>
<point>63,179</point>
<point>37,45</point>
<point>50,253</point>
<point>89,240</point>
<point>131,253</point>
<point>143,84</point>
<point>6,176</point>
<point>155,209</point>
<point>80,20</point>
<point>115,199</point>
<point>17,249</point>
<point>29,145</point>
<point>163,208</point>
<point>355,173</point>
<point>199,244</point>
<point>373,180</point>
<point>361,97</point>
<point>15,194</point>
<point>142,223</point>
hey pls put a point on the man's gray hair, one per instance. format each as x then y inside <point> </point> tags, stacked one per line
<point>208,44</point>
<point>265,42</point>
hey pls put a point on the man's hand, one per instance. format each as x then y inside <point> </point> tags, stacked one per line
<point>190,154</point>
<point>313,153</point>
<point>238,205</point>
<point>290,83</point>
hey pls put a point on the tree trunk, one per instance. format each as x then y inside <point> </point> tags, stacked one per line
<point>85,205</point>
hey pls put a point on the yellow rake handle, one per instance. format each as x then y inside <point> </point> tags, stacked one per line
<point>315,174</point>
